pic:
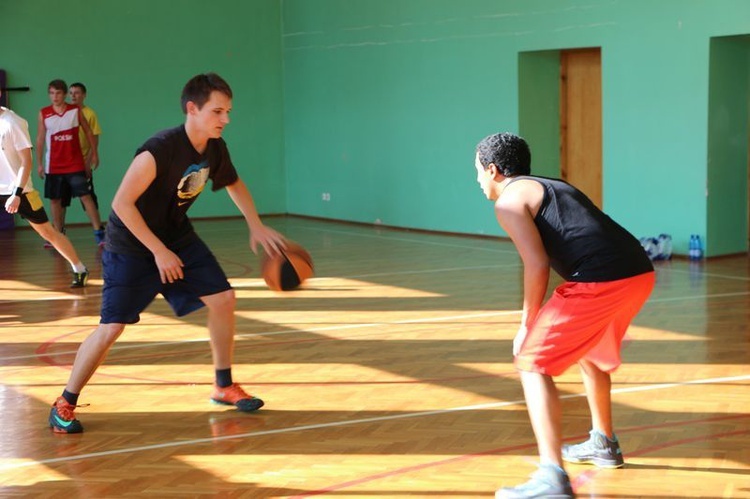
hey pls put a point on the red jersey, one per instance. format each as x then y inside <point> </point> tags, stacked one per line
<point>63,147</point>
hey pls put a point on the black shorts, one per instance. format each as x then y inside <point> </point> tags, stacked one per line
<point>131,282</point>
<point>31,207</point>
<point>66,197</point>
<point>66,185</point>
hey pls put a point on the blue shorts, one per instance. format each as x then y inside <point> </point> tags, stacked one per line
<point>132,282</point>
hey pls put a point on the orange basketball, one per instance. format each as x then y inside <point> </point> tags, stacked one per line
<point>285,271</point>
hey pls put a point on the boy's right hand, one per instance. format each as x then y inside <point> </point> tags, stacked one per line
<point>169,265</point>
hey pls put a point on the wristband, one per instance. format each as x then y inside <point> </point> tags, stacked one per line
<point>19,191</point>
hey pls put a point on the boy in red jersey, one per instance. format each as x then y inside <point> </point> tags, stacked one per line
<point>63,167</point>
<point>77,93</point>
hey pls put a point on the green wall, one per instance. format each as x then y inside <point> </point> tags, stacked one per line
<point>728,135</point>
<point>386,99</point>
<point>379,103</point>
<point>135,57</point>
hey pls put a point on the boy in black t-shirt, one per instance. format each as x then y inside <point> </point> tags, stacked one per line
<point>608,279</point>
<point>152,248</point>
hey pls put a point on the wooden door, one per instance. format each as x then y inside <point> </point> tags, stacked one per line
<point>581,120</point>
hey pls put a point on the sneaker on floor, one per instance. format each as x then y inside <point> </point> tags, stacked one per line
<point>99,237</point>
<point>549,481</point>
<point>80,279</point>
<point>597,450</point>
<point>62,418</point>
<point>236,396</point>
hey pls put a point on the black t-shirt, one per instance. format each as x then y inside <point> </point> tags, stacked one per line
<point>583,243</point>
<point>181,175</point>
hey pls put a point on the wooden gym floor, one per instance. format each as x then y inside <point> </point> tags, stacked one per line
<point>389,375</point>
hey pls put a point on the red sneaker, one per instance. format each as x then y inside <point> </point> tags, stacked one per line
<point>62,418</point>
<point>236,396</point>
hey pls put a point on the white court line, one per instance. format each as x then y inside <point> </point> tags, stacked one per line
<point>429,271</point>
<point>711,274</point>
<point>117,347</point>
<point>296,331</point>
<point>336,424</point>
<point>386,237</point>
<point>431,243</point>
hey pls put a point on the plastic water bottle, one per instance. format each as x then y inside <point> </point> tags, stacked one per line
<point>650,246</point>
<point>698,248</point>
<point>695,247</point>
<point>664,247</point>
<point>691,248</point>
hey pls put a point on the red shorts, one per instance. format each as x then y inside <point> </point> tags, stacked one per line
<point>583,320</point>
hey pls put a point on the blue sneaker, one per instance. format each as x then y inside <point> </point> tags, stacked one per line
<point>549,482</point>
<point>597,450</point>
<point>62,418</point>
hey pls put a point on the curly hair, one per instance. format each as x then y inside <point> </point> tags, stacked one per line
<point>508,152</point>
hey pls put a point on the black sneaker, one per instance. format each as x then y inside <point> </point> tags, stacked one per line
<point>549,481</point>
<point>62,418</point>
<point>597,450</point>
<point>80,279</point>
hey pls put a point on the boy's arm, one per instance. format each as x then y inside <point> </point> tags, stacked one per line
<point>514,215</point>
<point>40,137</point>
<point>271,240</point>
<point>11,205</point>
<point>25,171</point>
<point>93,161</point>
<point>140,175</point>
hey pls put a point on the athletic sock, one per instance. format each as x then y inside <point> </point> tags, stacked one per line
<point>79,267</point>
<point>224,377</point>
<point>71,398</point>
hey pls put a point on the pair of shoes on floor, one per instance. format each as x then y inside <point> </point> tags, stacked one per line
<point>62,418</point>
<point>551,481</point>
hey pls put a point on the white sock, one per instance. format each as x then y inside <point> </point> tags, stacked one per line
<point>79,267</point>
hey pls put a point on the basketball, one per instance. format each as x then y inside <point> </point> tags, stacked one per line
<point>285,271</point>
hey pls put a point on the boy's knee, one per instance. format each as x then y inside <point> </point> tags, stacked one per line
<point>110,332</point>
<point>45,230</point>
<point>226,300</point>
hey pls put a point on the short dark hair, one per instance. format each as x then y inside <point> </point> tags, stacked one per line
<point>58,85</point>
<point>80,85</point>
<point>509,153</point>
<point>198,89</point>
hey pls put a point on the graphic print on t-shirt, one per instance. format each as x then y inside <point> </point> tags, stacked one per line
<point>192,183</point>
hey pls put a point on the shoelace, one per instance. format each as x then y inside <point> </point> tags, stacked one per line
<point>67,411</point>
<point>236,391</point>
